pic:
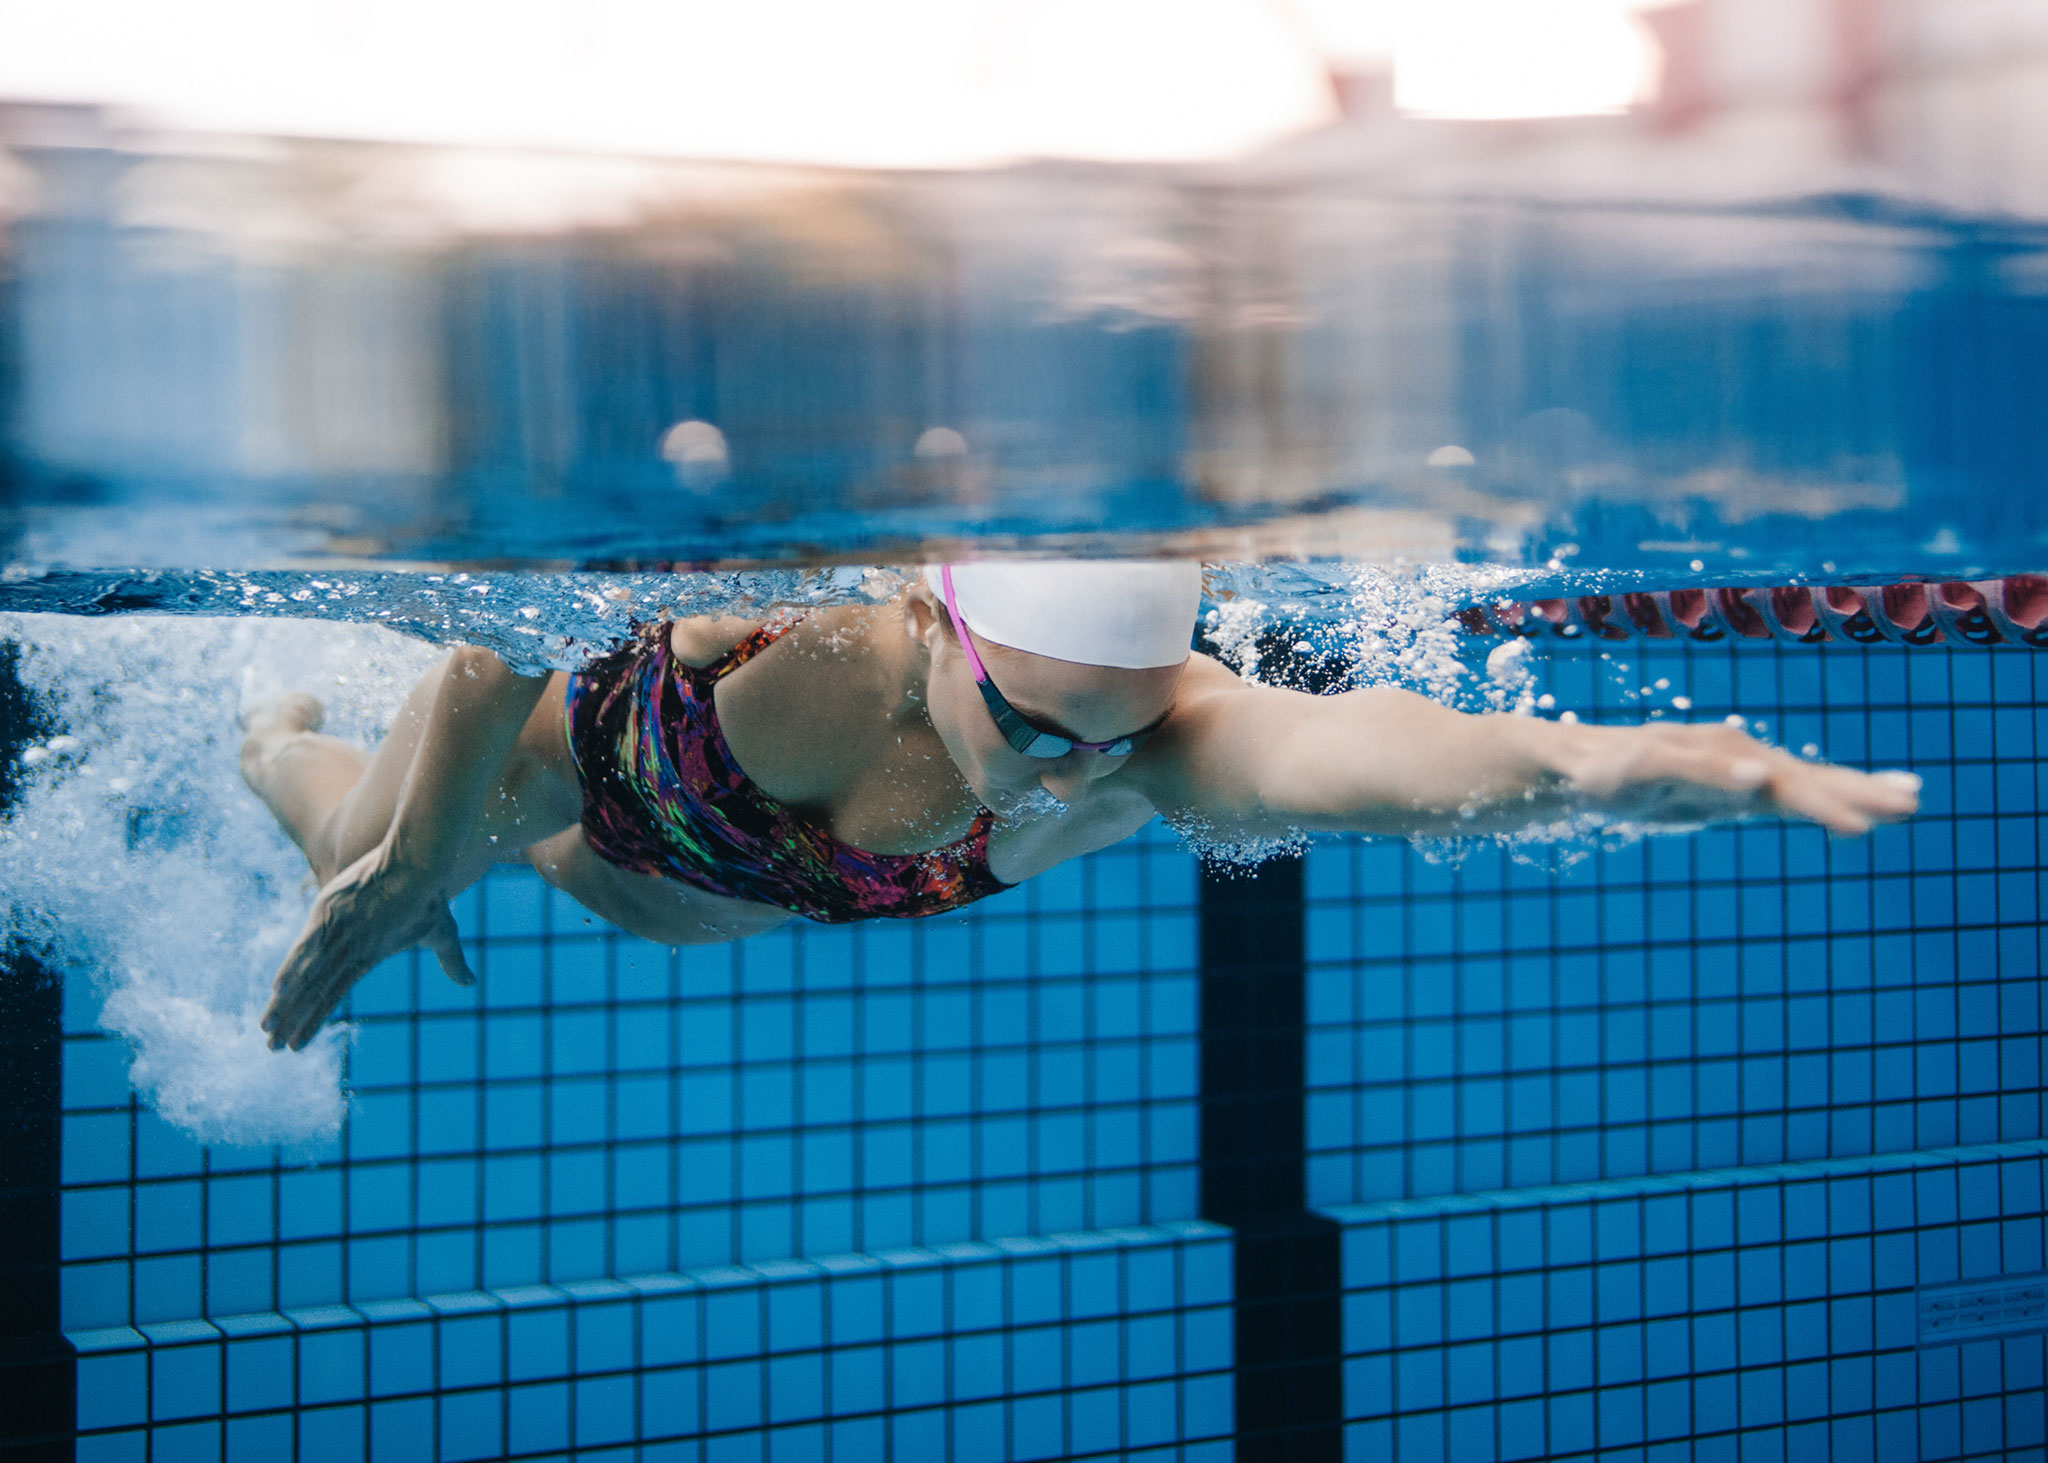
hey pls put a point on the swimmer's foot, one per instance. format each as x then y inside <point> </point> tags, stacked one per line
<point>263,699</point>
<point>268,727</point>
<point>291,711</point>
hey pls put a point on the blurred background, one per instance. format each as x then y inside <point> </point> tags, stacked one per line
<point>625,283</point>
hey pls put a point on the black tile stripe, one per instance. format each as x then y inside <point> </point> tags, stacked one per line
<point>1288,1321</point>
<point>38,1369</point>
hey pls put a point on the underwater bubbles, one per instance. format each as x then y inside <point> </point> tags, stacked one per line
<point>136,863</point>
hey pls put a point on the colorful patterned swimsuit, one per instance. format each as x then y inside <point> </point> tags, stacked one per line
<point>663,794</point>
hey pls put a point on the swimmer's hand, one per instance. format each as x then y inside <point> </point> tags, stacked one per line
<point>1671,773</point>
<point>369,912</point>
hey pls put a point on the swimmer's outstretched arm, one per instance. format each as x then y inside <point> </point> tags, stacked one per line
<point>1257,761</point>
<point>396,895</point>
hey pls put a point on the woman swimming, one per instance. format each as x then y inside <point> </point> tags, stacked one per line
<point>717,777</point>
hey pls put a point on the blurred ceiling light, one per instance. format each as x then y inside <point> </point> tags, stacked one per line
<point>1521,58</point>
<point>694,443</point>
<point>882,83</point>
<point>940,442</point>
<point>697,452</point>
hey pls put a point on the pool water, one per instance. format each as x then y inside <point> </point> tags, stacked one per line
<point>1617,1148</point>
<point>1594,1145</point>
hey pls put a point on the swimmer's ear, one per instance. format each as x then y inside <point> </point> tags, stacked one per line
<point>921,613</point>
<point>446,943</point>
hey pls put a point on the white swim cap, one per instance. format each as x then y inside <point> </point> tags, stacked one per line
<point>1130,613</point>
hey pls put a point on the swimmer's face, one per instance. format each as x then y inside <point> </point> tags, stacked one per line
<point>1084,702</point>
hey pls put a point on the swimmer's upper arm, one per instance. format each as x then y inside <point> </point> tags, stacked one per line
<point>701,640</point>
<point>478,709</point>
<point>1240,760</point>
<point>645,905</point>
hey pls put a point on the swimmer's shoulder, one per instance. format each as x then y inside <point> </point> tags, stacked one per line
<point>1209,694</point>
<point>703,640</point>
<point>1205,679</point>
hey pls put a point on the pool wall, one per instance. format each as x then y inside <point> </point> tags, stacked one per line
<point>1726,1145</point>
<point>1688,1150</point>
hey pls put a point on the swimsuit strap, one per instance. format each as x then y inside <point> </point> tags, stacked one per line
<point>776,627</point>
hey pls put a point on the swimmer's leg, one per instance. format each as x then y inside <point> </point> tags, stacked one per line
<point>337,801</point>
<point>300,775</point>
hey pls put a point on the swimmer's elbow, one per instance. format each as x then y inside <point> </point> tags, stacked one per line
<point>483,669</point>
<point>479,663</point>
<point>481,696</point>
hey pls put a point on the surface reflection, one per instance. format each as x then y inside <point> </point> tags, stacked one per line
<point>251,353</point>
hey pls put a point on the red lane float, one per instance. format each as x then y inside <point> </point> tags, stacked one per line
<point>2009,611</point>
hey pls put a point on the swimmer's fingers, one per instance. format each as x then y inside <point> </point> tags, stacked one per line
<point>1842,799</point>
<point>315,975</point>
<point>446,943</point>
<point>332,953</point>
<point>361,918</point>
<point>1729,775</point>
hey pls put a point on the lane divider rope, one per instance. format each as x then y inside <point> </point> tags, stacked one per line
<point>1982,612</point>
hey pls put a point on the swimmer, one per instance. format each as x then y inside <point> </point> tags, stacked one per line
<point>717,777</point>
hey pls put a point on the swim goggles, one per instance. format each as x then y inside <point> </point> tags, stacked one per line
<point>1019,733</point>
